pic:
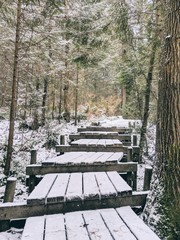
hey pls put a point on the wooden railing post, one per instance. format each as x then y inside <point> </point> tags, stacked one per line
<point>62,140</point>
<point>129,154</point>
<point>147,178</point>
<point>32,178</point>
<point>135,154</point>
<point>134,140</point>
<point>10,189</point>
<point>33,156</point>
<point>8,197</point>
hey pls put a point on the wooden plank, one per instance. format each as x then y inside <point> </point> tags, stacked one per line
<point>117,142</point>
<point>83,148</point>
<point>42,170</point>
<point>116,226</point>
<point>91,189</point>
<point>115,157</point>
<point>105,129</point>
<point>85,158</point>
<point>136,225</point>
<point>109,142</point>
<point>94,158</point>
<point>23,210</point>
<point>120,185</point>
<point>75,226</point>
<point>101,135</point>
<point>34,229</point>
<point>95,226</point>
<point>55,227</point>
<point>74,189</point>
<point>58,190</point>
<point>93,142</point>
<point>101,142</point>
<point>106,188</point>
<point>103,158</point>
<point>75,158</point>
<point>38,195</point>
<point>61,158</point>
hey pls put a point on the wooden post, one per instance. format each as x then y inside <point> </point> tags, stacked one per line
<point>32,178</point>
<point>147,178</point>
<point>33,156</point>
<point>8,197</point>
<point>10,189</point>
<point>62,140</point>
<point>135,154</point>
<point>129,154</point>
<point>134,140</point>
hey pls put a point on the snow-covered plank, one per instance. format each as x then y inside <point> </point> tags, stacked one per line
<point>73,159</point>
<point>93,142</point>
<point>96,226</point>
<point>80,142</point>
<point>85,148</point>
<point>116,226</point>
<point>109,142</point>
<point>106,187</point>
<point>117,142</point>
<point>38,195</point>
<point>58,159</point>
<point>103,158</point>
<point>55,228</point>
<point>119,183</point>
<point>136,225</point>
<point>58,190</point>
<point>75,226</point>
<point>91,190</point>
<point>85,158</point>
<point>90,167</point>
<point>101,142</point>
<point>115,157</point>
<point>74,189</point>
<point>34,229</point>
<point>93,158</point>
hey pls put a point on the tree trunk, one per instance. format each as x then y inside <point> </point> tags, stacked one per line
<point>167,176</point>
<point>43,117</point>
<point>53,100</point>
<point>76,96</point>
<point>155,44</point>
<point>147,99</point>
<point>123,96</point>
<point>46,84</point>
<point>60,98</point>
<point>14,92</point>
<point>35,125</point>
<point>66,80</point>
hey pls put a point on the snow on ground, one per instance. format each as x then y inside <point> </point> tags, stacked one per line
<point>25,140</point>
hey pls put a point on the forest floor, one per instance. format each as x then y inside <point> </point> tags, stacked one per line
<point>43,140</point>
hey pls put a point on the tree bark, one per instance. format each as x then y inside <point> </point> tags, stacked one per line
<point>60,98</point>
<point>66,80</point>
<point>147,99</point>
<point>45,92</point>
<point>76,95</point>
<point>166,176</point>
<point>14,92</point>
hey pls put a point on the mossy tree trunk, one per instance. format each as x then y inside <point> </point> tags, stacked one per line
<point>167,174</point>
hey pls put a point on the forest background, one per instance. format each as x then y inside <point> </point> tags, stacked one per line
<point>63,60</point>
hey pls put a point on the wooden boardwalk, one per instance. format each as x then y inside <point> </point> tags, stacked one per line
<point>120,130</point>
<point>91,179</point>
<point>105,224</point>
<point>84,162</point>
<point>79,187</point>
<point>124,138</point>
